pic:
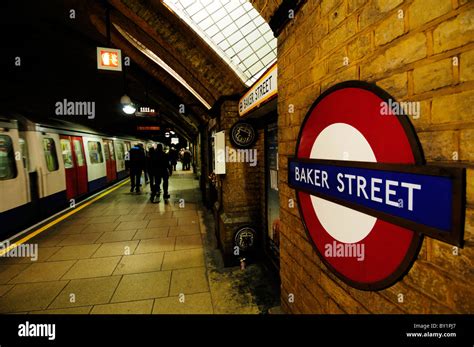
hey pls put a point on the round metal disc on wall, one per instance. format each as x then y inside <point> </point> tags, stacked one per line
<point>245,238</point>
<point>243,135</point>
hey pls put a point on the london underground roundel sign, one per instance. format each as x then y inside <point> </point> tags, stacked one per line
<point>364,195</point>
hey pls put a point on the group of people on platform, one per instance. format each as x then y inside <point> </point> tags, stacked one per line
<point>157,165</point>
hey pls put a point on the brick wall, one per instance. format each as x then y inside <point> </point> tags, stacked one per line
<point>418,50</point>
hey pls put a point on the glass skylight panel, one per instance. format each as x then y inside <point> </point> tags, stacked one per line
<point>263,51</point>
<point>224,45</point>
<point>230,52</point>
<point>200,16</point>
<point>234,38</point>
<point>217,15</point>
<point>241,47</point>
<point>259,21</point>
<point>252,36</point>
<point>229,28</point>
<point>212,30</point>
<point>237,13</point>
<point>255,68</point>
<point>244,53</point>
<point>248,6</point>
<point>218,37</point>
<point>258,43</point>
<point>268,35</point>
<point>250,61</point>
<point>242,20</point>
<point>263,30</point>
<point>207,23</point>
<point>247,29</point>
<point>223,23</point>
<point>193,8</point>
<point>234,29</point>
<point>267,59</point>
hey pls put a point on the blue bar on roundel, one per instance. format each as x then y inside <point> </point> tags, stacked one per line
<point>420,198</point>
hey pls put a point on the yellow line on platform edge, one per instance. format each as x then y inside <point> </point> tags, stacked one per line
<point>59,219</point>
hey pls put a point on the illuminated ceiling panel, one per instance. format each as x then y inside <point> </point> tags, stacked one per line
<point>235,30</point>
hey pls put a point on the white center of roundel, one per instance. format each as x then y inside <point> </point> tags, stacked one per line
<point>340,141</point>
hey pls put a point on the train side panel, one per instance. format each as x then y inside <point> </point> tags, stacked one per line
<point>51,176</point>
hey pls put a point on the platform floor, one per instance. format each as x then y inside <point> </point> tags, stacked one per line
<point>123,254</point>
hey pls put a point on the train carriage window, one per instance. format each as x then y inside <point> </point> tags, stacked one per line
<point>106,151</point>
<point>24,154</point>
<point>78,151</point>
<point>50,154</point>
<point>120,151</point>
<point>111,150</point>
<point>67,154</point>
<point>7,159</point>
<point>95,152</point>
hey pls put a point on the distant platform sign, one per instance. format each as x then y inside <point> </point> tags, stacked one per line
<point>364,195</point>
<point>148,128</point>
<point>109,59</point>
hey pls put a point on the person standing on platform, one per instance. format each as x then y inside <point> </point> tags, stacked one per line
<point>137,165</point>
<point>187,159</point>
<point>160,170</point>
<point>147,164</point>
<point>173,158</point>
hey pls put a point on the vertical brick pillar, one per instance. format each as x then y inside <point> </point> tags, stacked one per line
<point>241,189</point>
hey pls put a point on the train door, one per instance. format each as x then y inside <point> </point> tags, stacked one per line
<point>80,160</point>
<point>74,165</point>
<point>51,174</point>
<point>110,160</point>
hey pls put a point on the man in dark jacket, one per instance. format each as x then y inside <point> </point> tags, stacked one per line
<point>187,159</point>
<point>137,165</point>
<point>173,154</point>
<point>160,169</point>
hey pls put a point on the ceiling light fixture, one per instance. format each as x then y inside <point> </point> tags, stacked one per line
<point>127,105</point>
<point>129,109</point>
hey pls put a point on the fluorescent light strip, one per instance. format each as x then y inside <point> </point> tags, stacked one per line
<point>142,48</point>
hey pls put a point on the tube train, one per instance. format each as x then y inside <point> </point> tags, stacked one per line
<point>44,166</point>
